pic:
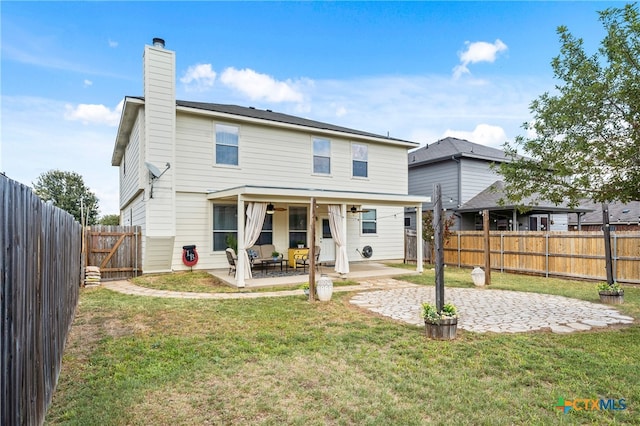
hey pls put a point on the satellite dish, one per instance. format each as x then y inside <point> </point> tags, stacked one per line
<point>155,172</point>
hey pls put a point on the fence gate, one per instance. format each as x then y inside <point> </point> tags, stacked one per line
<point>116,250</point>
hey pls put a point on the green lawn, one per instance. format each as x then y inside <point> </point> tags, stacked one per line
<point>141,361</point>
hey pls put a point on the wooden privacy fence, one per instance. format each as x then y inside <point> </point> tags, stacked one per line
<point>115,249</point>
<point>561,254</point>
<point>40,273</point>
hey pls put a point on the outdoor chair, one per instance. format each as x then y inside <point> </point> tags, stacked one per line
<point>303,259</point>
<point>232,259</point>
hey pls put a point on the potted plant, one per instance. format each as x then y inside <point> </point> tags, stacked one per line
<point>275,255</point>
<point>300,244</point>
<point>612,294</point>
<point>305,287</point>
<point>440,325</point>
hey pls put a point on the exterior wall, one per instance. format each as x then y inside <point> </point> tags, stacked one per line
<point>278,157</point>
<point>387,243</point>
<point>422,179</point>
<point>194,226</point>
<point>130,167</point>
<point>476,176</point>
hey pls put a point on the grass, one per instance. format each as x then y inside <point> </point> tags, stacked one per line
<point>139,361</point>
<point>203,282</point>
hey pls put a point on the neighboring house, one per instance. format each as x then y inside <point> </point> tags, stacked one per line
<point>187,170</point>
<point>469,186</point>
<point>623,216</point>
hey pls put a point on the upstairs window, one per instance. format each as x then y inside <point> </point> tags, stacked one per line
<point>321,156</point>
<point>360,157</point>
<point>226,144</point>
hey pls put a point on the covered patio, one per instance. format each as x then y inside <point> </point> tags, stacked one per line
<point>334,205</point>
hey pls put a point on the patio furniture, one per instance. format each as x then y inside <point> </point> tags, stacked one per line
<point>232,258</point>
<point>302,258</point>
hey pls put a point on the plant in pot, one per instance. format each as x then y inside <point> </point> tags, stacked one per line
<point>275,255</point>
<point>612,294</point>
<point>305,287</point>
<point>440,325</point>
<point>300,244</point>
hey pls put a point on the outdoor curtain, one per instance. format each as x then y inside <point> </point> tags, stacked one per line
<point>252,229</point>
<point>335,225</point>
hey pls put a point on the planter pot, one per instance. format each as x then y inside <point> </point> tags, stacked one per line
<point>324,288</point>
<point>444,330</point>
<point>306,292</point>
<point>611,297</point>
<point>477,275</point>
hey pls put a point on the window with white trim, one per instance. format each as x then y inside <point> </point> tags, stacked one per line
<point>369,222</point>
<point>321,156</point>
<point>225,226</point>
<point>360,158</point>
<point>226,144</point>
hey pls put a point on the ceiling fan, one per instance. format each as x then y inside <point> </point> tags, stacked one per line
<point>271,209</point>
<point>354,209</point>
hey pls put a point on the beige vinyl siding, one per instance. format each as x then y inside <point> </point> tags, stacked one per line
<point>159,111</point>
<point>387,243</point>
<point>193,226</point>
<point>130,167</point>
<point>277,157</point>
<point>156,256</point>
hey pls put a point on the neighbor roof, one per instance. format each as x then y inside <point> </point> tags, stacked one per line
<point>618,213</point>
<point>489,199</point>
<point>448,148</point>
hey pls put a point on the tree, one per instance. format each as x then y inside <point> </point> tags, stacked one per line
<point>110,219</point>
<point>68,191</point>
<point>429,230</point>
<point>586,138</point>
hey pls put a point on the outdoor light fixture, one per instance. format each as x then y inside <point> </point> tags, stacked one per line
<point>270,209</point>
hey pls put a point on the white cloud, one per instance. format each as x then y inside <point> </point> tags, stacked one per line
<point>199,78</point>
<point>113,44</point>
<point>484,134</point>
<point>478,51</point>
<point>260,86</point>
<point>93,114</point>
<point>87,83</point>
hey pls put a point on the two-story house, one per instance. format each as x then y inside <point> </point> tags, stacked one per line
<point>470,185</point>
<point>195,173</point>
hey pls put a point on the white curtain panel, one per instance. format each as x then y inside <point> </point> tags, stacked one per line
<point>252,229</point>
<point>335,225</point>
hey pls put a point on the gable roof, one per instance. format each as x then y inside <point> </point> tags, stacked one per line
<point>490,197</point>
<point>618,213</point>
<point>454,148</point>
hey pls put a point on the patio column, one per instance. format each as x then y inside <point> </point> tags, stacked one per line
<point>419,252</point>
<point>241,264</point>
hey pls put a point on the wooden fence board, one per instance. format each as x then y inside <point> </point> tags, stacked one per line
<point>117,250</point>
<point>565,254</point>
<point>40,272</point>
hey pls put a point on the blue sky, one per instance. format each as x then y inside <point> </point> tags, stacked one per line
<point>414,70</point>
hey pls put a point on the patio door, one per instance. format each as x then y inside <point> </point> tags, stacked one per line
<point>325,240</point>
